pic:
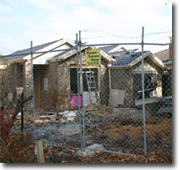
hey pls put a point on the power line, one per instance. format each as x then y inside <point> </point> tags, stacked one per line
<point>156,33</point>
<point>7,49</point>
<point>109,34</point>
<point>122,36</point>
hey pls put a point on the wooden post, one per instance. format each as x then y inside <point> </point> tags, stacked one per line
<point>40,151</point>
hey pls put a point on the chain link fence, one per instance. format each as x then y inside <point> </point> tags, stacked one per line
<point>119,122</point>
<point>76,106</point>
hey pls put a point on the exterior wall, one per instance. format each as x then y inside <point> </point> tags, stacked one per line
<point>167,83</point>
<point>58,74</point>
<point>11,73</point>
<point>53,73</point>
<point>14,79</point>
<point>124,79</point>
<point>159,76</point>
<point>62,78</point>
<point>104,83</point>
<point>28,83</point>
<point>3,84</point>
<point>3,72</point>
<point>159,73</point>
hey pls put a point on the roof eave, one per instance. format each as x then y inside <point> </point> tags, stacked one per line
<point>118,66</point>
<point>154,59</point>
<point>50,48</point>
<point>74,51</point>
<point>16,61</point>
<point>134,62</point>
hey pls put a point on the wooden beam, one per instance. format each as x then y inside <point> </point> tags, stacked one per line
<point>83,66</point>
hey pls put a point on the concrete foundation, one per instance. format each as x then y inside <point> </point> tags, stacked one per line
<point>88,151</point>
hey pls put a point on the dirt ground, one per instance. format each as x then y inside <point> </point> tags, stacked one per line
<point>69,156</point>
<point>121,130</point>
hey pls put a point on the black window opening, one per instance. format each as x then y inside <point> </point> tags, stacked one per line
<point>74,78</point>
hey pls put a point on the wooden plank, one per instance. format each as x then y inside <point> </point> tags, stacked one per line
<point>40,151</point>
<point>21,63</point>
<point>83,66</point>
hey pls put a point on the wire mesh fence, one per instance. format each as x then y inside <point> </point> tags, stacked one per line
<point>78,105</point>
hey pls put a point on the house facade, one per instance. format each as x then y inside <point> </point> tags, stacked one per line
<point>55,63</point>
<point>125,73</point>
<point>56,67</point>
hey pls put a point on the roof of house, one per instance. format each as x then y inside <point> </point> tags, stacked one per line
<point>163,56</point>
<point>121,55</point>
<point>72,51</point>
<point>127,58</point>
<point>116,54</point>
<point>22,53</point>
<point>55,50</point>
<point>25,54</point>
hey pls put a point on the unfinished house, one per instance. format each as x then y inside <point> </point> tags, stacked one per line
<point>57,68</point>
<point>125,74</point>
<point>66,67</point>
<point>19,70</point>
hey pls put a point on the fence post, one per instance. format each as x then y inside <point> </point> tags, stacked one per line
<point>77,58</point>
<point>32,74</point>
<point>144,118</point>
<point>82,89</point>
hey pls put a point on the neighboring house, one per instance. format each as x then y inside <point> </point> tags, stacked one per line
<point>166,57</point>
<point>58,68</point>
<point>125,71</point>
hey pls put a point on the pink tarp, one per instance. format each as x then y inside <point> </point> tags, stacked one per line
<point>74,100</point>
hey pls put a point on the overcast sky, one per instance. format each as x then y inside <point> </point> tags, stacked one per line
<point>111,20</point>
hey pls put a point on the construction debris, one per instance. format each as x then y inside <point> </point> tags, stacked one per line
<point>116,128</point>
<point>167,106</point>
<point>124,127</point>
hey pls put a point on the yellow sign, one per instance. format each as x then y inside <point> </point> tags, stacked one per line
<point>93,57</point>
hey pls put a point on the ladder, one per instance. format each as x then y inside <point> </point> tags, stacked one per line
<point>93,94</point>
